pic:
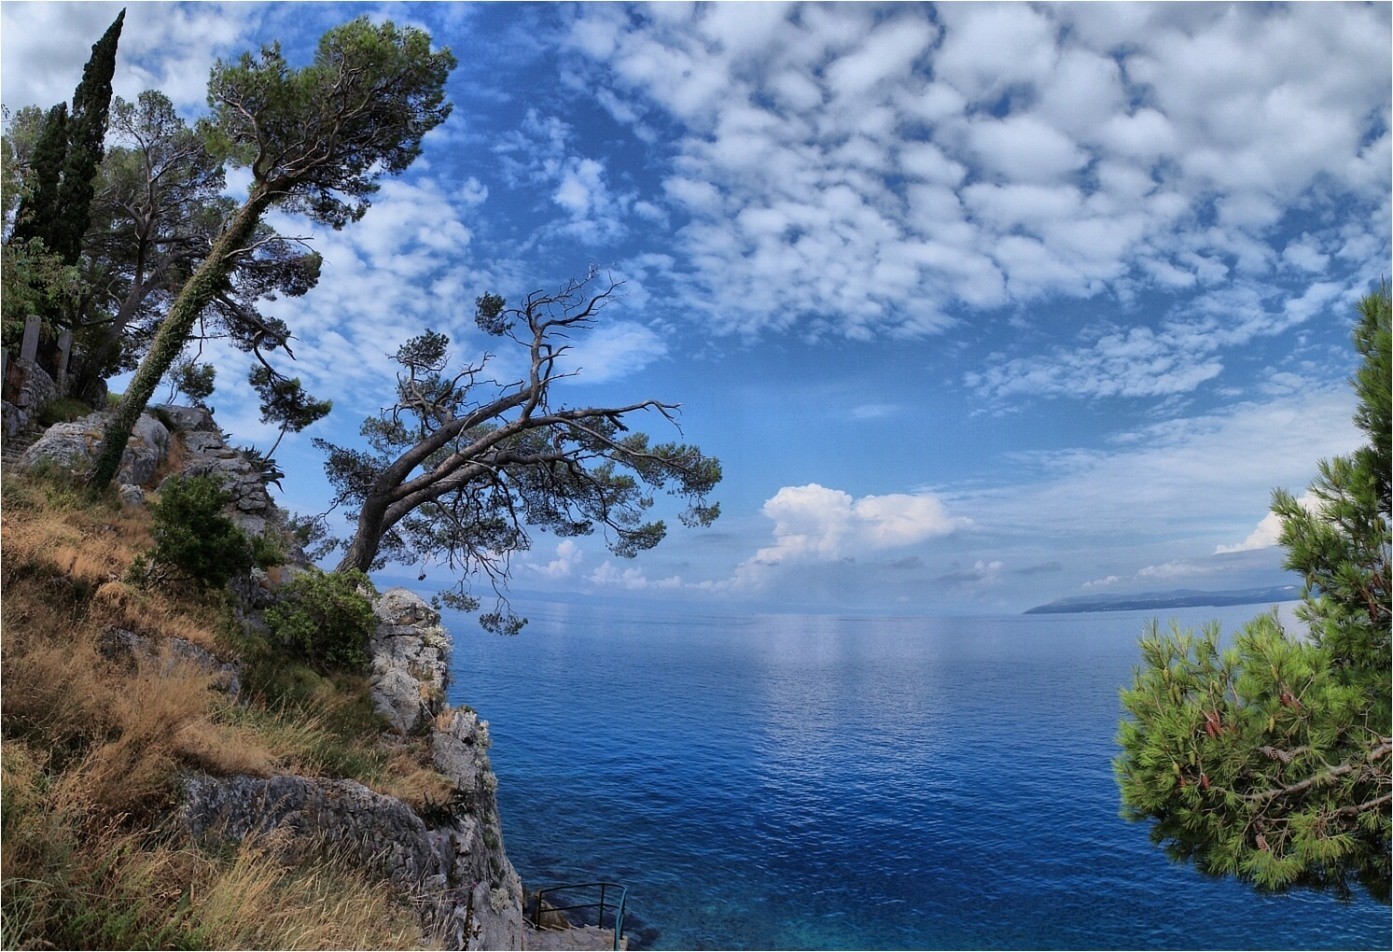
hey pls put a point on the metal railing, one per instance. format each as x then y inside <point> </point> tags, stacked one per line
<point>541,909</point>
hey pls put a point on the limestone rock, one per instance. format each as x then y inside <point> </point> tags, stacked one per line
<point>122,643</point>
<point>187,419</point>
<point>438,867</point>
<point>36,392</point>
<point>207,454</point>
<point>73,447</point>
<point>410,657</point>
<point>132,497</point>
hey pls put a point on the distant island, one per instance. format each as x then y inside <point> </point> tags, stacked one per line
<point>1180,598</point>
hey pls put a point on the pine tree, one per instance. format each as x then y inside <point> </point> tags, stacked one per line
<point>1270,761</point>
<point>317,140</point>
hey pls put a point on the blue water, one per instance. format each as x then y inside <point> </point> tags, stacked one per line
<point>779,782</point>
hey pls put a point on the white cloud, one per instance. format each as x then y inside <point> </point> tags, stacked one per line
<point>611,351</point>
<point>1163,146</point>
<point>568,559</point>
<point>162,46</point>
<point>1192,477</point>
<point>1175,569</point>
<point>815,524</point>
<point>1268,532</point>
<point>633,579</point>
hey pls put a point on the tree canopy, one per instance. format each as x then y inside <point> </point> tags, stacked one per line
<point>460,467</point>
<point>1270,760</point>
<point>316,139</point>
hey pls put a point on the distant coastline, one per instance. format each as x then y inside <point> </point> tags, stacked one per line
<point>1180,598</point>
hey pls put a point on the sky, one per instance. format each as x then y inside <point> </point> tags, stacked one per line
<point>980,305</point>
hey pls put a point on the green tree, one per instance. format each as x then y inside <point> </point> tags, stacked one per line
<point>71,149</point>
<point>158,210</point>
<point>316,141</point>
<point>1270,760</point>
<point>460,466</point>
<point>285,402</point>
<point>38,202</point>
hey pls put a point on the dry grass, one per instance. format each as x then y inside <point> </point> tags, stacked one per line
<point>93,746</point>
<point>255,902</point>
<point>71,880</point>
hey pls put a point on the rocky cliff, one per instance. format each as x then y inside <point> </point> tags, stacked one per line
<point>451,861</point>
<point>449,858</point>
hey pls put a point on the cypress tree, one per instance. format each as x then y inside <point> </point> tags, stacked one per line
<point>58,206</point>
<point>39,205</point>
<point>86,137</point>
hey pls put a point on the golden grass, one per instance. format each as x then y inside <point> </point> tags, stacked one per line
<point>71,880</point>
<point>93,746</point>
<point>257,903</point>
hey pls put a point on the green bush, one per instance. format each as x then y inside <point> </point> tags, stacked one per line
<point>195,537</point>
<point>325,618</point>
<point>268,549</point>
<point>63,410</point>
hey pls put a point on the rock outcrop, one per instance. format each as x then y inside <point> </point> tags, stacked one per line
<point>73,446</point>
<point>410,654</point>
<point>451,858</point>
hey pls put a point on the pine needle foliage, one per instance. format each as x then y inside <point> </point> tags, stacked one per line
<point>1269,760</point>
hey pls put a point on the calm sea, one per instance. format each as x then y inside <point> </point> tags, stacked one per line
<point>800,782</point>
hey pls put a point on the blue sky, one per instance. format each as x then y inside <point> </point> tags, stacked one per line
<point>980,305</point>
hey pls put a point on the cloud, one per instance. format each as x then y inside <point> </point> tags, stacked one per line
<point>1177,358</point>
<point>982,574</point>
<point>613,350</point>
<point>1184,477</point>
<point>815,524</point>
<point>849,173</point>
<point>163,46</point>
<point>633,579</point>
<point>568,558</point>
<point>1268,532</point>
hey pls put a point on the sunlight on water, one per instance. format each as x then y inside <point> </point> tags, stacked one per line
<point>785,782</point>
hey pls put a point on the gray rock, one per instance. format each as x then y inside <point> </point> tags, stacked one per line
<point>206,453</point>
<point>466,893</point>
<point>410,658</point>
<point>122,643</point>
<point>73,447</point>
<point>187,419</point>
<point>132,497</point>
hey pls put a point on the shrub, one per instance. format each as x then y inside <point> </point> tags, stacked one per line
<point>195,537</point>
<point>63,410</point>
<point>325,618</point>
<point>268,549</point>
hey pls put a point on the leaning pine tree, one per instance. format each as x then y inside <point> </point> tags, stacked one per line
<point>1270,760</point>
<point>460,467</point>
<point>316,141</point>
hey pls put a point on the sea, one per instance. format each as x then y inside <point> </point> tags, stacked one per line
<point>780,781</point>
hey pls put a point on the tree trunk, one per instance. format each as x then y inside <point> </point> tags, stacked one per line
<point>174,332</point>
<point>367,537</point>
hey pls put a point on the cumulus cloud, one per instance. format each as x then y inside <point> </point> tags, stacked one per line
<point>632,579</point>
<point>815,524</point>
<point>163,46</point>
<point>1268,532</point>
<point>568,558</point>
